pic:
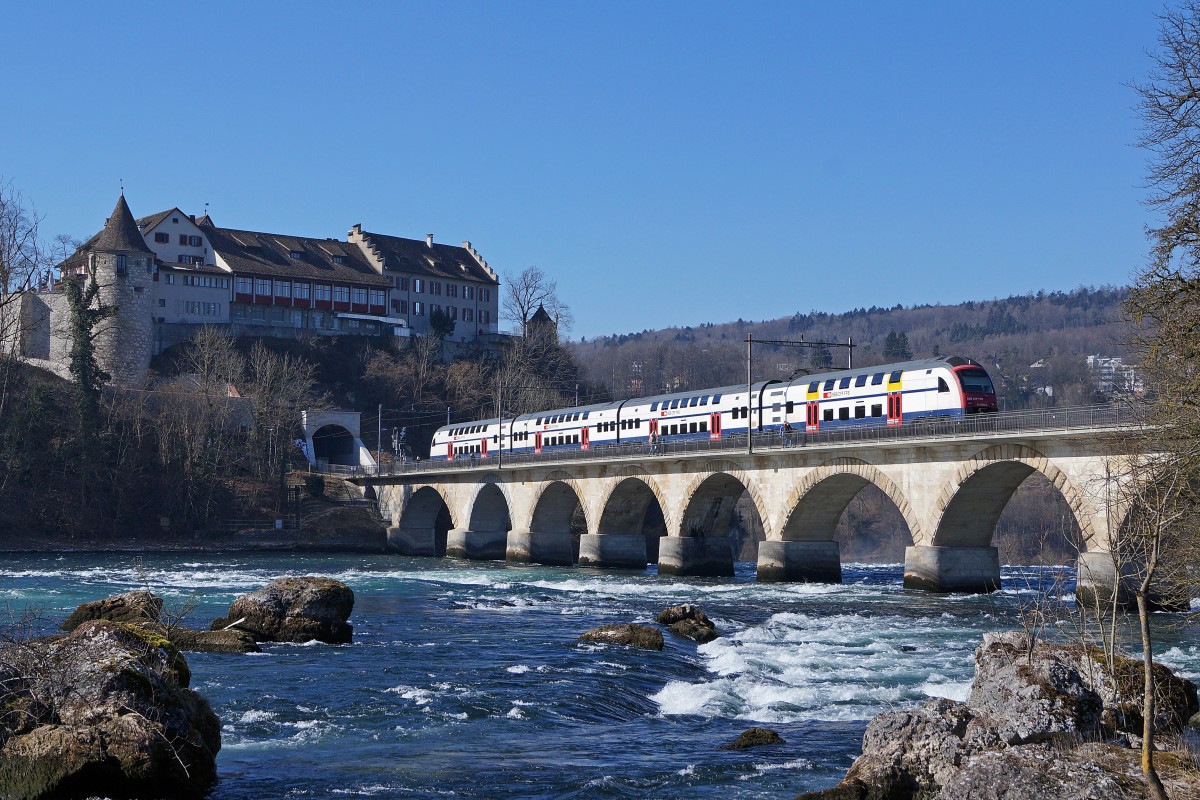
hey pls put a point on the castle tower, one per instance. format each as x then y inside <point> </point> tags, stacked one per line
<point>125,272</point>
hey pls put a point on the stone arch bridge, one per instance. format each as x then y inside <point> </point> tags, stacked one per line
<point>950,488</point>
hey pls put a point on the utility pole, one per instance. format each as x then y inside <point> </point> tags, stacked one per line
<point>500,417</point>
<point>749,394</point>
<point>379,441</point>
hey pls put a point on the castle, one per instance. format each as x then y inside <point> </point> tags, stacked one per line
<point>169,273</point>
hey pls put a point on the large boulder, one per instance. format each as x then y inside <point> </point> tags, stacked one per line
<point>145,609</point>
<point>689,621</point>
<point>1041,721</point>
<point>629,634</point>
<point>754,737</point>
<point>138,608</point>
<point>103,711</point>
<point>294,610</point>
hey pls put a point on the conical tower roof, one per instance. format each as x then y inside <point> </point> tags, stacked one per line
<point>121,232</point>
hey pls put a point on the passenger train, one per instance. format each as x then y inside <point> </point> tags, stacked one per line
<point>887,395</point>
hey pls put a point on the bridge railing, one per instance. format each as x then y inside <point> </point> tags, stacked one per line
<point>1097,417</point>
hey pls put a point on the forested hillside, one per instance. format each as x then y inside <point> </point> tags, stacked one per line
<point>1035,346</point>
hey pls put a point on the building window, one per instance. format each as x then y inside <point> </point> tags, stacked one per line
<point>258,312</point>
<point>237,312</point>
<point>277,314</point>
<point>338,259</point>
<point>435,287</point>
<point>468,293</point>
<point>297,319</point>
<point>468,315</point>
<point>262,287</point>
<point>162,238</point>
<point>195,241</point>
<point>352,324</point>
<point>169,277</point>
<point>485,316</point>
<point>400,306</point>
<point>318,319</point>
<point>244,285</point>
<point>283,288</point>
<point>341,294</point>
<point>300,290</point>
<point>322,291</point>
<point>360,297</point>
<point>183,238</point>
<point>377,297</point>
<point>418,309</point>
<point>296,254</point>
<point>485,293</point>
<point>162,303</point>
<point>416,284</point>
<point>434,308</point>
<point>451,290</point>
<point>452,311</point>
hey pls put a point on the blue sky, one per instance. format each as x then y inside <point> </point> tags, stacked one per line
<point>666,163</point>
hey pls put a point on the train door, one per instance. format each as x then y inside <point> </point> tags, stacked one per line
<point>483,445</point>
<point>585,439</point>
<point>812,422</point>
<point>653,426</point>
<point>449,451</point>
<point>714,426</point>
<point>895,414</point>
<point>537,443</point>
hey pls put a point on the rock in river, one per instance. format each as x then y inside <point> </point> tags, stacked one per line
<point>103,711</point>
<point>754,737</point>
<point>688,620</point>
<point>642,636</point>
<point>294,610</point>
<point>145,609</point>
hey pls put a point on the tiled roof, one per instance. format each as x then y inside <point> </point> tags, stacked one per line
<point>120,232</point>
<point>270,254</point>
<point>146,223</point>
<point>437,261</point>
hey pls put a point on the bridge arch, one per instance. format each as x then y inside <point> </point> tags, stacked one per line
<point>425,517</point>
<point>632,511</point>
<point>969,507</point>
<point>816,504</point>
<point>490,507</point>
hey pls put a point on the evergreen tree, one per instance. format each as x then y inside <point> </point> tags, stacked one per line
<point>85,312</point>
<point>896,347</point>
<point>821,358</point>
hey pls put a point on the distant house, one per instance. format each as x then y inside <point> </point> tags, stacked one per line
<point>169,273</point>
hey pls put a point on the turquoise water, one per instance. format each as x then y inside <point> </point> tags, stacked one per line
<point>467,680</point>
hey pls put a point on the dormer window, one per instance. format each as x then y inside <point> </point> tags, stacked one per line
<point>295,254</point>
<point>338,259</point>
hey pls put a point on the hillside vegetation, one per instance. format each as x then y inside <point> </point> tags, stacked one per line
<point>1009,335</point>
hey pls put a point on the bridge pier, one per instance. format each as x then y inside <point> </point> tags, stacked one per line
<point>690,555</point>
<point>952,569</point>
<point>613,550</point>
<point>476,545</point>
<point>413,541</point>
<point>807,562</point>
<point>1097,575</point>
<point>536,547</point>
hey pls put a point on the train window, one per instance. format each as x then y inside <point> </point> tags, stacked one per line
<point>895,376</point>
<point>704,400</point>
<point>585,414</point>
<point>844,384</point>
<point>791,406</point>
<point>860,412</point>
<point>828,415</point>
<point>745,412</point>
<point>654,406</point>
<point>637,423</point>
<point>576,418</point>
<point>704,426</point>
<point>575,439</point>
<point>672,430</point>
<point>775,408</point>
<point>877,410</point>
<point>812,387</point>
<point>675,403</point>
<point>695,402</point>
<point>942,385</point>
<point>829,385</point>
<point>861,380</point>
<point>877,379</point>
<point>843,413</point>
<point>692,427</point>
<point>716,399</point>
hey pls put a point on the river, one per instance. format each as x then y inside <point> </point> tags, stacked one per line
<point>467,680</point>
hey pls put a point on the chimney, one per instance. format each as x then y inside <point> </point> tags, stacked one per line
<point>429,240</point>
<point>192,217</point>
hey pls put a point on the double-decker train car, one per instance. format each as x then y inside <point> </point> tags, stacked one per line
<point>887,395</point>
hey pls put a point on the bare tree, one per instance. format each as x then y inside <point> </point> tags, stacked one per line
<point>526,291</point>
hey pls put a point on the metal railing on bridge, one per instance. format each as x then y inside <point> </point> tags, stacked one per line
<point>1098,418</point>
